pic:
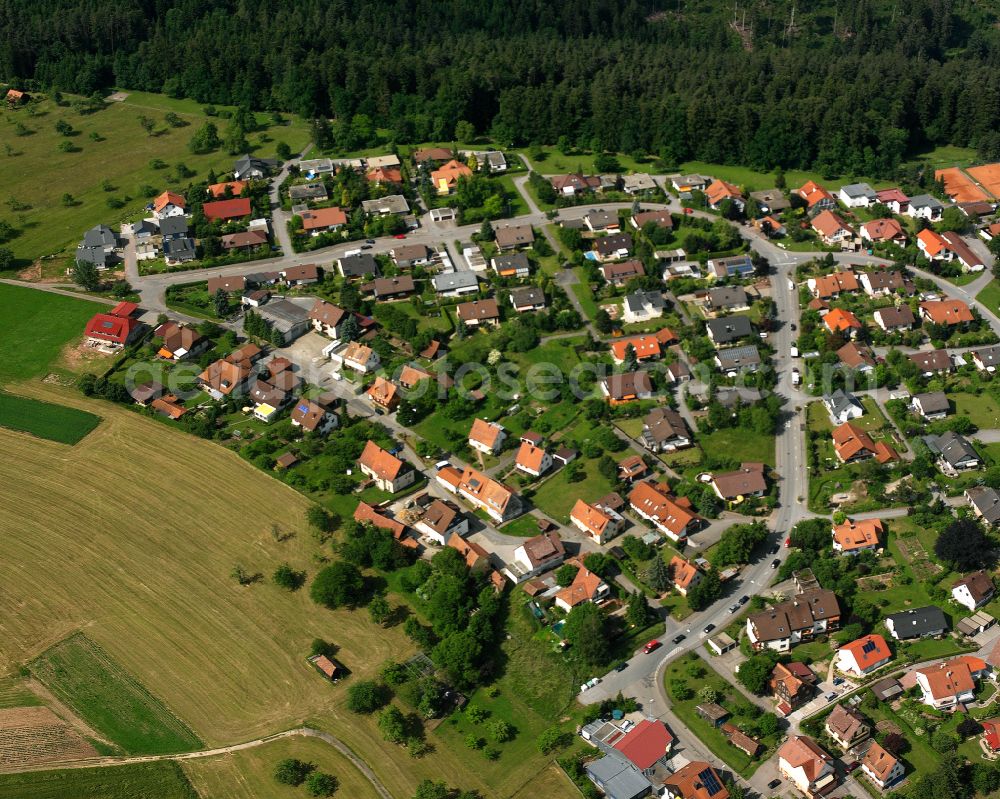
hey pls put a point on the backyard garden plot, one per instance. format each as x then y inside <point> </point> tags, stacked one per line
<point>30,736</point>
<point>102,693</point>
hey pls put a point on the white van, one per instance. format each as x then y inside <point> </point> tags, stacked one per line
<point>349,253</point>
<point>795,352</point>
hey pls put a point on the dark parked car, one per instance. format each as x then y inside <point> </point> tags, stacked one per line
<point>622,666</point>
<point>744,599</point>
<point>678,638</point>
<point>708,628</point>
<point>775,563</point>
<point>774,550</point>
<point>773,784</point>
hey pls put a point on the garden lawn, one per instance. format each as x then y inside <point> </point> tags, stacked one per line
<point>525,527</point>
<point>872,420</point>
<point>819,419</point>
<point>982,409</point>
<point>45,420</point>
<point>557,495</point>
<point>739,444</point>
<point>555,163</point>
<point>35,326</point>
<point>746,177</point>
<point>630,427</point>
<point>990,296</point>
<point>583,293</point>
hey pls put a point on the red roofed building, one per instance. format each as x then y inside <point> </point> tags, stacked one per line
<point>647,347</point>
<point>168,204</point>
<point>816,197</point>
<point>665,512</point>
<point>586,587</point>
<point>831,227</point>
<point>114,330</point>
<point>719,191</point>
<point>946,312</point>
<point>646,745</point>
<point>385,175</point>
<point>235,187</point>
<point>863,535</point>
<point>389,472</point>
<point>683,574</point>
<point>991,734</point>
<point>533,460</point>
<point>601,524</point>
<point>839,320</point>
<point>879,230</point>
<point>863,656</point>
<point>322,220</point>
<point>365,513</point>
<point>223,210</point>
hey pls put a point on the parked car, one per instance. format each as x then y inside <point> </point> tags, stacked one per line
<point>788,543</point>
<point>366,246</point>
<point>853,766</point>
<point>775,563</point>
<point>734,608</point>
<point>622,666</point>
<point>441,464</point>
<point>627,725</point>
<point>708,628</point>
<point>677,639</point>
<point>831,696</point>
<point>400,236</point>
<point>773,784</point>
<point>744,599</point>
<point>774,550</point>
<point>369,241</point>
<point>652,646</point>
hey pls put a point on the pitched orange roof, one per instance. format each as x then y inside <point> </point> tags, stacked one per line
<point>868,651</point>
<point>852,535</point>
<point>383,392</point>
<point>950,678</point>
<point>366,513</point>
<point>719,190</point>
<point>933,243</point>
<point>839,319</point>
<point>683,571</point>
<point>883,229</point>
<point>485,433</point>
<point>323,218</point>
<point>813,193</point>
<point>590,517</point>
<point>235,186</point>
<point>947,312</point>
<point>385,174</point>
<point>167,198</point>
<point>647,346</point>
<point>802,752</point>
<point>227,209</point>
<point>850,441</point>
<point>583,588</point>
<point>449,174</point>
<point>470,550</point>
<point>828,224</point>
<point>530,457</point>
<point>835,283</point>
<point>665,510</point>
<point>384,464</point>
<point>879,762</point>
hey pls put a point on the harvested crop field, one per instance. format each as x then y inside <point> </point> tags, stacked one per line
<point>959,186</point>
<point>162,780</point>
<point>988,175</point>
<point>30,736</point>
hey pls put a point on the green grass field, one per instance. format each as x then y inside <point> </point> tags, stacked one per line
<point>162,780</point>
<point>739,444</point>
<point>982,410</point>
<point>45,420</point>
<point>34,328</point>
<point>87,679</point>
<point>990,296</point>
<point>37,173</point>
<point>557,495</point>
<point>14,694</point>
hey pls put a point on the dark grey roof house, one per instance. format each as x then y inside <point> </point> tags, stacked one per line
<point>360,265</point>
<point>917,623</point>
<point>985,503</point>
<point>728,328</point>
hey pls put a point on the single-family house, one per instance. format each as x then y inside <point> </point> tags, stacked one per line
<point>514,264</point>
<point>527,298</point>
<point>327,318</point>
<point>445,178</point>
<point>828,287</point>
<point>179,342</point>
<point>313,417</point>
<point>613,247</point>
<point>390,473</point>
<point>953,451</point>
<point>586,587</point>
<point>923,206</point>
<point>951,682</point>
<point>695,780</point>
<point>383,394</point>
<point>880,231</point>
<point>600,522</point>
<point>510,237</point>
<point>168,204</point>
<point>532,460</point>
<point>927,622</point>
<point>986,359</point>
<point>974,590</point>
<point>302,275</point>
<point>664,430</point>
<point>641,306</point>
<point>771,201</point>
<point>895,319</point>
<point>858,195</point>
<point>747,481</point>
<point>245,240</point>
<point>391,288</point>
<point>858,357</point>
<point>801,618</point>
<point>478,312</point>
<point>839,320</point>
<point>360,357</point>
<point>727,329</point>
<point>931,405</point>
<point>114,330</point>
<point>323,220</point>
<point>881,282</point>
<point>358,266</point>
<point>894,199</point>
<point>537,555</point>
<point>455,284</point>
<point>627,387</point>
<point>792,684</point>
<point>246,166</point>
<point>869,653</point>
<point>683,574</point>
<point>733,266</point>
<point>223,378</point>
<point>718,191</point>
<point>842,406</point>
<point>496,499</point>
<point>816,198</point>
<point>846,727</point>
<point>98,246</point>
<point>831,227</point>
<point>932,362</point>
<point>985,503</point>
<point>852,444</point>
<point>728,298</point>
<point>661,219</point>
<point>600,221</point>
<point>225,210</point>
<point>230,188</point>
<point>621,273</point>
<point>807,766</point>
<point>666,513</point>
<point>441,520</point>
<point>882,768</point>
<point>733,360</point>
<point>487,437</point>
<point>573,184</point>
<point>638,182</point>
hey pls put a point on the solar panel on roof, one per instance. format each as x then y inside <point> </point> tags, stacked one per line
<point>710,781</point>
<point>303,408</point>
<point>868,646</point>
<point>107,325</point>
